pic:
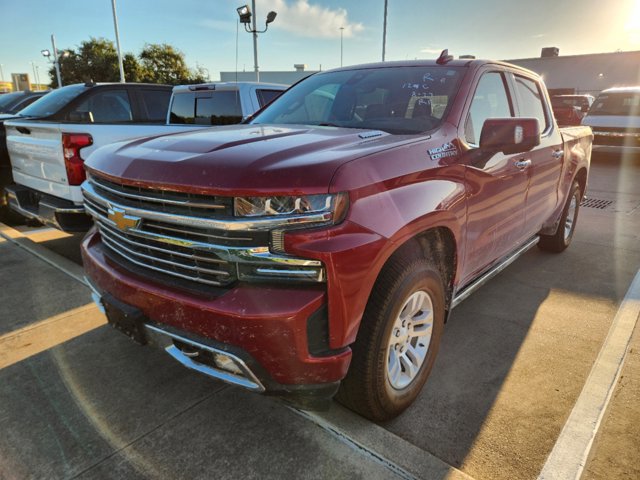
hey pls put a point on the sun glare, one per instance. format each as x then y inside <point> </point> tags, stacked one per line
<point>633,22</point>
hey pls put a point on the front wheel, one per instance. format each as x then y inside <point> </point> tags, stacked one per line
<point>397,342</point>
<point>562,238</point>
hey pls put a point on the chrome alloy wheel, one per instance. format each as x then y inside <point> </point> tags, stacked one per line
<point>571,217</point>
<point>409,340</point>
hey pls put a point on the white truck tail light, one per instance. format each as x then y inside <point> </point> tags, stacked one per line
<point>72,143</point>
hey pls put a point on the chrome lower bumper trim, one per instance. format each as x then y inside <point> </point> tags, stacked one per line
<point>247,380</point>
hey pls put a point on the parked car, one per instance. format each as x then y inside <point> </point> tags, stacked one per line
<point>321,247</point>
<point>11,103</point>
<point>615,120</point>
<point>570,109</point>
<point>48,150</point>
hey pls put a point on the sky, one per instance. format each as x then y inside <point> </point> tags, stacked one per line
<point>308,31</point>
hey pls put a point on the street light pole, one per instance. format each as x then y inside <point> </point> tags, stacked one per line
<point>56,61</point>
<point>341,32</point>
<point>255,41</point>
<point>35,77</point>
<point>247,16</point>
<point>384,30</point>
<point>115,25</point>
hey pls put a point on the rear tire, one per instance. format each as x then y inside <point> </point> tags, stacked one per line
<point>397,342</point>
<point>566,228</point>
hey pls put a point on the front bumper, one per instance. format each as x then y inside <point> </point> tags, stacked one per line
<point>52,211</point>
<point>266,327</point>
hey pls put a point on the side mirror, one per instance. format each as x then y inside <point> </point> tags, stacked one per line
<point>81,117</point>
<point>510,135</point>
<point>584,109</point>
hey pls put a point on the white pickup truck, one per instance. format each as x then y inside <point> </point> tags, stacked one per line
<point>49,145</point>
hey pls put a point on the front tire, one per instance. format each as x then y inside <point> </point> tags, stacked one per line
<point>566,228</point>
<point>398,340</point>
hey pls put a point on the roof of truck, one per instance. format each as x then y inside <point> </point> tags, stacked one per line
<point>475,63</point>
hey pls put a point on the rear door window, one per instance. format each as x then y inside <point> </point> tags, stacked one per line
<point>530,101</point>
<point>106,106</point>
<point>155,104</point>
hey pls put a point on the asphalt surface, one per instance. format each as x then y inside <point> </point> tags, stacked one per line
<point>79,400</point>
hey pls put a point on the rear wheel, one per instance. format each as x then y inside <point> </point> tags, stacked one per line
<point>567,226</point>
<point>397,342</point>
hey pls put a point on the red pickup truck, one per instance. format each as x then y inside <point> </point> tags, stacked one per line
<point>321,247</point>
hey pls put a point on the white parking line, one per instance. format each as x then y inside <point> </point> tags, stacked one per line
<point>571,451</point>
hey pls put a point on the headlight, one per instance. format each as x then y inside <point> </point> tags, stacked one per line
<point>334,205</point>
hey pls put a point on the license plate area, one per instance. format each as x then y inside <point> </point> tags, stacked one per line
<point>125,318</point>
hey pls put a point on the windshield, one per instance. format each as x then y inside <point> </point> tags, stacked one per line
<point>617,103</point>
<point>52,102</point>
<point>401,100</point>
<point>7,100</point>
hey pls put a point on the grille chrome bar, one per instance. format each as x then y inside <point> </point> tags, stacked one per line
<point>155,199</point>
<point>256,224</point>
<point>168,272</point>
<point>166,262</point>
<point>111,231</point>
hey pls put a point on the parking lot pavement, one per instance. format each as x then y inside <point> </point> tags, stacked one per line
<point>92,404</point>
<point>513,362</point>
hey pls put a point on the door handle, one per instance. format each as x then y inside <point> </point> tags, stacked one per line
<point>557,154</point>
<point>522,163</point>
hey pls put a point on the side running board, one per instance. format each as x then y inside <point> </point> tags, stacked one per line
<point>492,272</point>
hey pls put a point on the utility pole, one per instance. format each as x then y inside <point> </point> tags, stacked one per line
<point>255,41</point>
<point>115,25</point>
<point>341,36</point>
<point>1,74</point>
<point>384,30</point>
<point>56,60</point>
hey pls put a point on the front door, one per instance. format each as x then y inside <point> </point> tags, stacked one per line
<point>496,183</point>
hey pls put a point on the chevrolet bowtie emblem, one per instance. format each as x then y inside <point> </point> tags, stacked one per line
<point>120,218</point>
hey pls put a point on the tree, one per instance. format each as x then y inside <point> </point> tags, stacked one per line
<point>95,60</point>
<point>161,63</point>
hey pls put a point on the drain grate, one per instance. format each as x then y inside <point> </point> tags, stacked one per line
<point>595,203</point>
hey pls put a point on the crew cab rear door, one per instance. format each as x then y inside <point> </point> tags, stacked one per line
<point>497,183</point>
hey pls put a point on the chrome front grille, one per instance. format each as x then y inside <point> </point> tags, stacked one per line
<point>171,202</point>
<point>197,240</point>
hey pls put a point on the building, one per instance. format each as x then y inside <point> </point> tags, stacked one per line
<point>590,73</point>
<point>286,78</point>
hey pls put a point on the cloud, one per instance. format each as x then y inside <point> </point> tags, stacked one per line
<point>309,20</point>
<point>539,35</point>
<point>431,50</point>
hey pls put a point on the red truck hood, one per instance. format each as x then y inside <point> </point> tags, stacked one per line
<point>241,159</point>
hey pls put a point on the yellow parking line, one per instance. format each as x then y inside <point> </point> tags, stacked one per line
<point>28,341</point>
